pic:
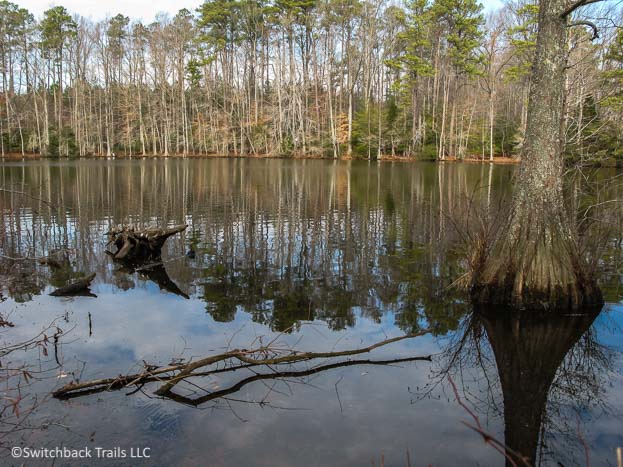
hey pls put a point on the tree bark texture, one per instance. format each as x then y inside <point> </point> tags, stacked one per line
<point>536,264</point>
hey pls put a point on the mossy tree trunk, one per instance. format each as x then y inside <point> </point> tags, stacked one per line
<point>536,264</point>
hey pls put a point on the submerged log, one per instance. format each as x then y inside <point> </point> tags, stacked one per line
<point>78,287</point>
<point>136,246</point>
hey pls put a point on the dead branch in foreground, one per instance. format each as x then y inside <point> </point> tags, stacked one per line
<point>283,374</point>
<point>262,356</point>
<point>56,259</point>
<point>512,457</point>
<point>18,399</point>
<point>17,192</point>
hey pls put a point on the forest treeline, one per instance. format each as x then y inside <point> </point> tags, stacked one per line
<point>427,79</point>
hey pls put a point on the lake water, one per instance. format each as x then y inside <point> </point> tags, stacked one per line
<point>311,255</point>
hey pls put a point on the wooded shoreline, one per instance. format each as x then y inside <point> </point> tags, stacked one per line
<point>323,79</point>
<point>502,160</point>
<point>386,158</point>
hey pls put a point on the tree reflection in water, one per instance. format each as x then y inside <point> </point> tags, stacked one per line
<point>550,368</point>
<point>285,242</point>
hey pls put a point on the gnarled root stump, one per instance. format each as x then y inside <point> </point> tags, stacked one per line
<point>136,246</point>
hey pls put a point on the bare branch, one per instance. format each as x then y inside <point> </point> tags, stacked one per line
<point>186,370</point>
<point>578,4</point>
<point>586,23</point>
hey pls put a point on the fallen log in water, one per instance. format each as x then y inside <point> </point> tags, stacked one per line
<point>78,287</point>
<point>171,375</point>
<point>140,245</point>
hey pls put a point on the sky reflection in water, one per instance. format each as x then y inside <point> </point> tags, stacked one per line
<point>326,255</point>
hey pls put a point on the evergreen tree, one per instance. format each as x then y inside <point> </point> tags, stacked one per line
<point>412,43</point>
<point>57,27</point>
<point>614,75</point>
<point>462,20</point>
<point>522,37</point>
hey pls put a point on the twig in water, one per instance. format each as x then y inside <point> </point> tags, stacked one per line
<point>488,438</point>
<point>15,192</point>
<point>338,394</point>
<point>583,441</point>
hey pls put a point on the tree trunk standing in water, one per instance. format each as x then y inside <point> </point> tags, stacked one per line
<point>536,263</point>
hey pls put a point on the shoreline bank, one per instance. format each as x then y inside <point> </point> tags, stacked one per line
<point>498,160</point>
<point>12,157</point>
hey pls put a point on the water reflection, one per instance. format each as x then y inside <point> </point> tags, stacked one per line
<point>157,273</point>
<point>548,369</point>
<point>283,241</point>
<point>360,250</point>
<point>529,351</point>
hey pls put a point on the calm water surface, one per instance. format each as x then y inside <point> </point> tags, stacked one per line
<point>312,254</point>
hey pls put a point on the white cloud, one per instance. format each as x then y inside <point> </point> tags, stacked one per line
<point>145,10</point>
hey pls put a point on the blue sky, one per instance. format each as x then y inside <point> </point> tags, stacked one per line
<point>135,9</point>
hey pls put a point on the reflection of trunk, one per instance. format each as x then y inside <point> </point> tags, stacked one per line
<point>442,152</point>
<point>536,264</point>
<point>491,119</point>
<point>528,349</point>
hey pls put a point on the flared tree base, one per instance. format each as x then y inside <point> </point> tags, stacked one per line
<point>535,265</point>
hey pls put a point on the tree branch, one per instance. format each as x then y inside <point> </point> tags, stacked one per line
<point>281,375</point>
<point>186,370</point>
<point>577,4</point>
<point>586,23</point>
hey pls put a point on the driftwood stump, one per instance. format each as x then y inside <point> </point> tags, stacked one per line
<point>137,246</point>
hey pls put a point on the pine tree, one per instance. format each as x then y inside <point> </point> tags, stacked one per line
<point>462,20</point>
<point>522,38</point>
<point>57,28</point>
<point>614,75</point>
